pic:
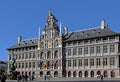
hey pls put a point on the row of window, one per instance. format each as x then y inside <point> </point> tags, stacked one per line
<point>91,62</point>
<point>33,55</point>
<point>26,65</point>
<point>105,39</point>
<point>41,65</point>
<point>91,49</point>
<point>92,74</point>
<point>23,49</point>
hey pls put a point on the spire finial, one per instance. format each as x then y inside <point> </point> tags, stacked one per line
<point>60,28</point>
<point>50,10</point>
<point>39,33</point>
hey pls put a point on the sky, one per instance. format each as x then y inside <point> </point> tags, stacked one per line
<point>24,17</point>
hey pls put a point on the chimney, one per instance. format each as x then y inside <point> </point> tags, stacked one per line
<point>102,24</point>
<point>19,39</point>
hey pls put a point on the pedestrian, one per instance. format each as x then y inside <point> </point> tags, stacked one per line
<point>101,77</point>
<point>33,78</point>
<point>23,77</point>
<point>45,77</point>
<point>26,77</point>
<point>29,78</point>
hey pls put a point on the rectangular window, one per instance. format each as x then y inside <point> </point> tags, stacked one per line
<point>91,62</point>
<point>69,63</point>
<point>80,43</point>
<point>33,55</point>
<point>22,56</point>
<point>79,62</point>
<point>33,64</point>
<point>26,56</point>
<point>22,65</point>
<point>85,62</point>
<point>16,65</point>
<point>26,65</point>
<point>86,41</point>
<point>29,55</point>
<point>16,56</point>
<point>86,50</point>
<point>74,63</point>
<point>105,49</point>
<point>98,50</point>
<point>92,41</point>
<point>74,51</point>
<point>112,38</point>
<point>80,51</point>
<point>74,43</point>
<point>91,50</point>
<point>112,48</point>
<point>29,64</point>
<point>19,65</point>
<point>69,44</point>
<point>105,61</point>
<point>19,56</point>
<point>69,52</point>
<point>98,40</point>
<point>98,63</point>
<point>112,60</point>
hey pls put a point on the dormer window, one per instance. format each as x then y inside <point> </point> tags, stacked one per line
<point>32,42</point>
<point>98,33</point>
<point>82,33</point>
<point>93,31</point>
<point>87,34</point>
<point>19,44</point>
<point>76,36</point>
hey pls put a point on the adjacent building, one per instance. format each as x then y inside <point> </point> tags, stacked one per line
<point>84,53</point>
<point>3,66</point>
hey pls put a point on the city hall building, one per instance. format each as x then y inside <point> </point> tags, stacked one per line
<point>82,54</point>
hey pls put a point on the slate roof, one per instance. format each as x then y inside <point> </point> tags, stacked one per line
<point>77,35</point>
<point>25,43</point>
<point>90,33</point>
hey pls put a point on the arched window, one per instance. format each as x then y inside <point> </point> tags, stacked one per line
<point>29,73</point>
<point>112,74</point>
<point>42,45</point>
<point>98,73</point>
<point>86,73</point>
<point>80,73</point>
<point>56,43</point>
<point>69,74</point>
<point>25,73</point>
<point>41,73</point>
<point>33,73</point>
<point>49,54</point>
<point>41,55</point>
<point>74,74</point>
<point>56,54</point>
<point>105,74</point>
<point>92,73</point>
<point>48,72</point>
<point>55,74</point>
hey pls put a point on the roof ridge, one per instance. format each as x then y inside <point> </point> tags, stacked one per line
<point>29,39</point>
<point>86,29</point>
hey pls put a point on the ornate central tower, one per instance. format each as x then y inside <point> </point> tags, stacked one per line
<point>50,51</point>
